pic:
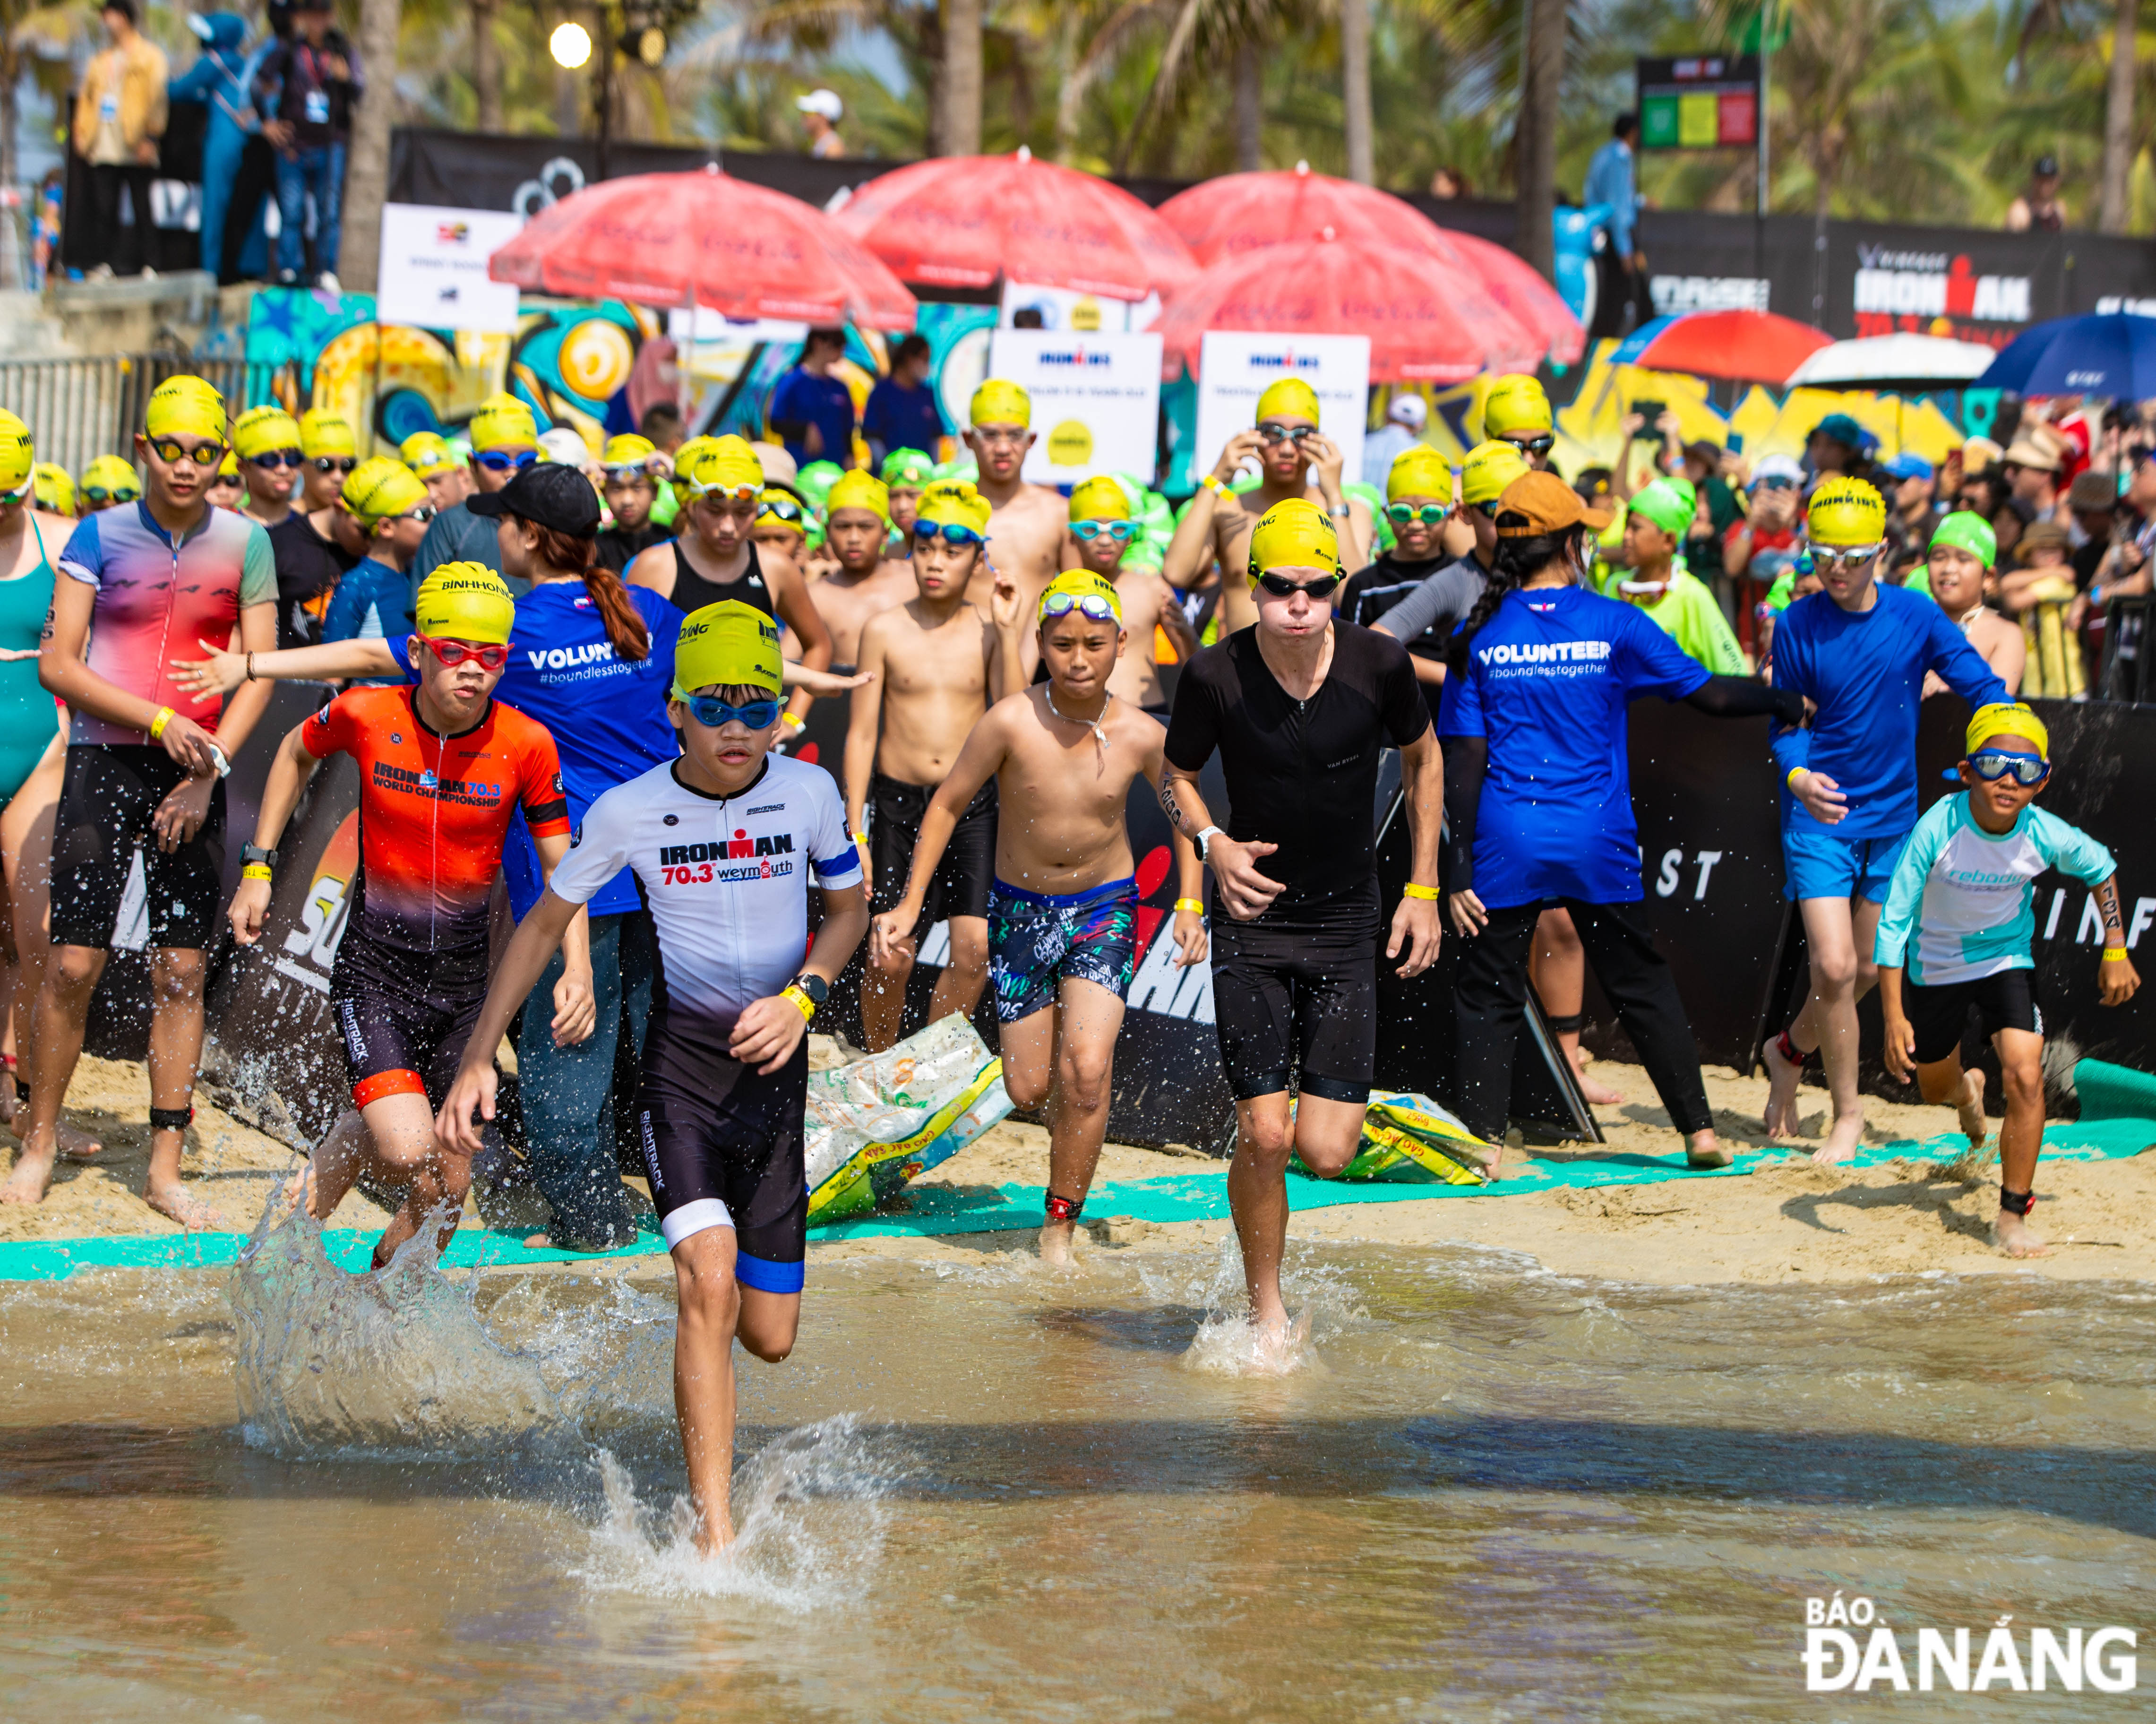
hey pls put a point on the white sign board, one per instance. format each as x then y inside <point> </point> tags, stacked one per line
<point>1095,401</point>
<point>1235,368</point>
<point>434,268</point>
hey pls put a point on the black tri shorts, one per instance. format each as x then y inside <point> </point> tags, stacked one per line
<point>110,793</point>
<point>723,1146</point>
<point>962,877</point>
<point>405,1017</point>
<point>1296,1002</point>
<point>2006,1001</point>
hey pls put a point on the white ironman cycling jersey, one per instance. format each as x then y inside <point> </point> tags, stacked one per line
<point>726,878</point>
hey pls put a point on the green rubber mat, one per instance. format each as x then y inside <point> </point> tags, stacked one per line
<point>983,1209</point>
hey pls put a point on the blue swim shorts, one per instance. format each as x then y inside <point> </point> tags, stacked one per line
<point>1037,938</point>
<point>1818,864</point>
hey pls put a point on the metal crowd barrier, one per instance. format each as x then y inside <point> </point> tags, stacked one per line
<point>78,408</point>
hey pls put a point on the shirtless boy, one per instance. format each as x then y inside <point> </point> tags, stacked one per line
<point>857,521</point>
<point>1064,907</point>
<point>934,660</point>
<point>1027,521</point>
<point>1286,443</point>
<point>1101,522</point>
<point>904,472</point>
<point>1962,552</point>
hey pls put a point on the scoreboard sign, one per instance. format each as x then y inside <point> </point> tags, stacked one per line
<point>1706,102</point>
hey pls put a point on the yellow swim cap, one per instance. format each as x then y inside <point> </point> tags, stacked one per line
<point>184,406</point>
<point>322,432</point>
<point>627,450</point>
<point>778,494</point>
<point>19,459</point>
<point>728,645</point>
<point>1081,583</point>
<point>724,467</point>
<point>1099,499</point>
<point>428,453</point>
<point>1489,468</point>
<point>1289,397</point>
<point>2006,719</point>
<point>465,601</point>
<point>1419,471</point>
<point>1294,534</point>
<point>109,473</point>
<point>55,487</point>
<point>857,488</point>
<point>1845,512</point>
<point>378,488</point>
<point>261,429</point>
<point>999,402</point>
<point>953,502</point>
<point>503,422</point>
<point>228,468</point>
<point>1515,403</point>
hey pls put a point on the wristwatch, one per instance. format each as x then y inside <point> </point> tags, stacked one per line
<point>1341,512</point>
<point>815,986</point>
<point>1202,840</point>
<point>250,853</point>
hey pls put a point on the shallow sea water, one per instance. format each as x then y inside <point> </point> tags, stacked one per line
<point>987,1490</point>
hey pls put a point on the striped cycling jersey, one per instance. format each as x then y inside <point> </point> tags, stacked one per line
<point>157,597</point>
<point>1960,906</point>
<point>433,812</point>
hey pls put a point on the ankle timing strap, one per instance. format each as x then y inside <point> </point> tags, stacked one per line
<point>171,1118</point>
<point>1065,1208</point>
<point>1788,1049</point>
<point>21,1089</point>
<point>1570,1025</point>
<point>2016,1202</point>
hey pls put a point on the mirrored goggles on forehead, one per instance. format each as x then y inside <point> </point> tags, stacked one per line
<point>625,472</point>
<point>1281,586</point>
<point>506,461</point>
<point>1093,604</point>
<point>743,493</point>
<point>710,711</point>
<point>1992,764</point>
<point>1121,531</point>
<point>1430,514</point>
<point>1270,434</point>
<point>171,448</point>
<point>950,532</point>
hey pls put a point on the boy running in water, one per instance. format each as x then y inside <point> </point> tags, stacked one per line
<point>1062,913</point>
<point>722,841</point>
<point>444,768</point>
<point>1858,651</point>
<point>1959,921</point>
<point>856,523</point>
<point>1101,522</point>
<point>937,669</point>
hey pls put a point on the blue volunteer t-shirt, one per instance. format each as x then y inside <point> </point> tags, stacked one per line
<point>1548,681</point>
<point>607,716</point>
<point>803,398</point>
<point>900,417</point>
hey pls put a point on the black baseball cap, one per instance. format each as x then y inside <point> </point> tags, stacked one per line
<point>546,494</point>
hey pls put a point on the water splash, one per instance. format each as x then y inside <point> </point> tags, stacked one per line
<point>813,1515</point>
<point>1321,1300</point>
<point>393,1364</point>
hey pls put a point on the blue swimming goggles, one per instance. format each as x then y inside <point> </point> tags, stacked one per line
<point>1120,531</point>
<point>503,461</point>
<point>710,711</point>
<point>950,532</point>
<point>1992,764</point>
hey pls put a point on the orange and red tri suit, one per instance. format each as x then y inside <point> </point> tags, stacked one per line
<point>411,971</point>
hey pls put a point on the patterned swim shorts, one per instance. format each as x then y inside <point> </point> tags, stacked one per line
<point>1036,939</point>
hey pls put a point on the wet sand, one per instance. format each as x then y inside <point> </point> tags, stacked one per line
<point>1790,1222</point>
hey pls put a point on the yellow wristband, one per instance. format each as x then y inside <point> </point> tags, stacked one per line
<point>1215,486</point>
<point>256,871</point>
<point>165,715</point>
<point>802,1004</point>
<point>1429,892</point>
<point>1196,907</point>
<point>795,719</point>
<point>1791,780</point>
<point>2113,955</point>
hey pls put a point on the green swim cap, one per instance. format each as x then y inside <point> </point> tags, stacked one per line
<point>1968,532</point>
<point>1670,504</point>
<point>814,481</point>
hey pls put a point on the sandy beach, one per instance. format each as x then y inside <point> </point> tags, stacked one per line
<point>1789,1222</point>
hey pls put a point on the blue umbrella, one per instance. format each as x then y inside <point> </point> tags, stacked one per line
<point>2109,354</point>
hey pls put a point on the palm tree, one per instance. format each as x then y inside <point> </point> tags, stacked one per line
<point>1542,86</point>
<point>366,165</point>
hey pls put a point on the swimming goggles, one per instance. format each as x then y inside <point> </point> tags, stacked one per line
<point>1430,514</point>
<point>498,461</point>
<point>202,455</point>
<point>779,511</point>
<point>1280,587</point>
<point>710,711</point>
<point>335,463</point>
<point>1093,604</point>
<point>1827,559</point>
<point>422,512</point>
<point>102,497</point>
<point>455,653</point>
<point>950,532</point>
<point>277,458</point>
<point>741,493</point>
<point>1535,445</point>
<point>1119,531</point>
<point>1272,433</point>
<point>1993,765</point>
<point>627,474</point>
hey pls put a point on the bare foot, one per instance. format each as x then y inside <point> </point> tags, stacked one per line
<point>32,1174</point>
<point>77,1145</point>
<point>176,1202</point>
<point>2013,1236</point>
<point>1970,1107</point>
<point>714,1532</point>
<point>1782,1080</point>
<point>1056,1243</point>
<point>299,1188</point>
<point>1597,1094</point>
<point>1277,1346</point>
<point>1842,1140</point>
<point>1705,1150</point>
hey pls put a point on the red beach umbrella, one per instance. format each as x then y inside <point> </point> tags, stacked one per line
<point>971,221</point>
<point>1510,281</point>
<point>703,239</point>
<point>1741,347</point>
<point>1331,287</point>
